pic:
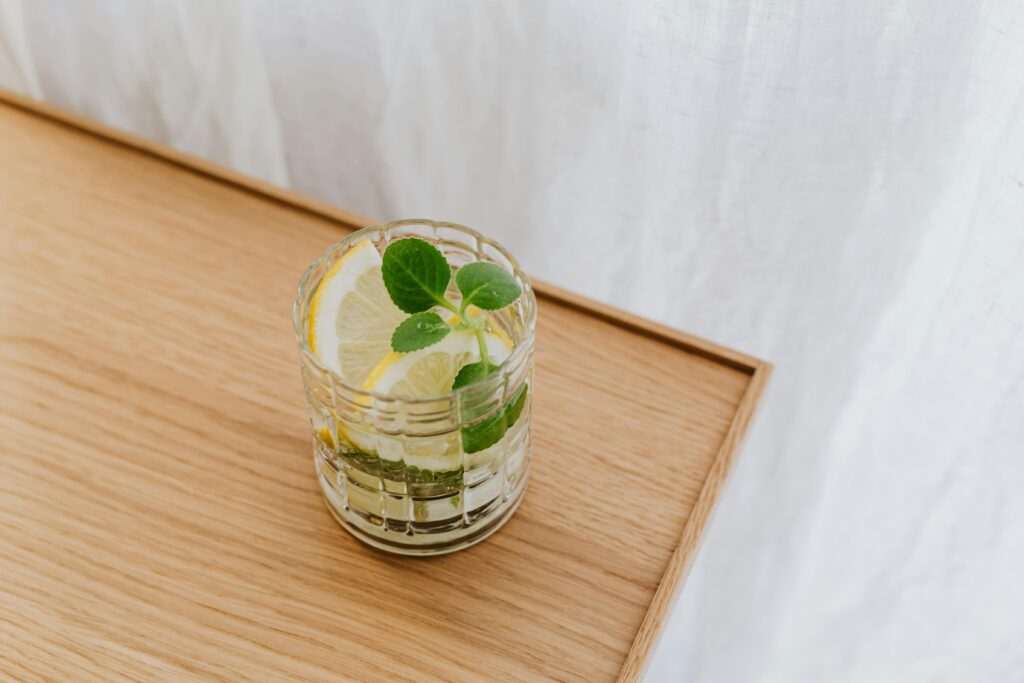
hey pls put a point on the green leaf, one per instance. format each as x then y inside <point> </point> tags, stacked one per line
<point>486,285</point>
<point>416,274</point>
<point>488,432</point>
<point>471,373</point>
<point>419,331</point>
<point>515,405</point>
<point>484,434</point>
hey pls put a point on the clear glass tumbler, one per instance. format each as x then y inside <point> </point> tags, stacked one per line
<point>392,469</point>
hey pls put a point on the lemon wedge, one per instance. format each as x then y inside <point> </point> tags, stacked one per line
<point>351,315</point>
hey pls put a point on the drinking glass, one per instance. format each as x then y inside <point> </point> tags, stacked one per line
<point>392,469</point>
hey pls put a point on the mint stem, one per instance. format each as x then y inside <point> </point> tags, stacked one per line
<point>473,324</point>
<point>484,357</point>
<point>443,301</point>
<point>478,330</point>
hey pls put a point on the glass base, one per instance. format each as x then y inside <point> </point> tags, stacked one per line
<point>421,545</point>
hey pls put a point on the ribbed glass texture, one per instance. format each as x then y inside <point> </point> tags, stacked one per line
<point>393,470</point>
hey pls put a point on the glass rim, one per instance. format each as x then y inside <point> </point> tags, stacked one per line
<point>514,359</point>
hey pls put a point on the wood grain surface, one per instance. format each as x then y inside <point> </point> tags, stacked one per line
<point>159,515</point>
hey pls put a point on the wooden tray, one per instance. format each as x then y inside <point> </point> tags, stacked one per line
<point>159,516</point>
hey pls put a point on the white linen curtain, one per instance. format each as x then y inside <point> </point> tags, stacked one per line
<point>837,187</point>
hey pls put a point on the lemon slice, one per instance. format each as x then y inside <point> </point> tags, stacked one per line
<point>421,374</point>
<point>431,371</point>
<point>351,315</point>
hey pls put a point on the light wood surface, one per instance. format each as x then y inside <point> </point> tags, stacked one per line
<point>159,515</point>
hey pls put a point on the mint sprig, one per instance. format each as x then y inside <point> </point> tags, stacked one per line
<point>416,275</point>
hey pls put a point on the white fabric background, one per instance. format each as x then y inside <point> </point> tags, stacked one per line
<point>835,186</point>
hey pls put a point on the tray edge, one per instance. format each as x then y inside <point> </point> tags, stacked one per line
<point>682,558</point>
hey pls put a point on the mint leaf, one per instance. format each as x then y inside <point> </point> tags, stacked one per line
<point>473,372</point>
<point>484,434</point>
<point>486,285</point>
<point>488,432</point>
<point>515,405</point>
<point>419,331</point>
<point>416,275</point>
